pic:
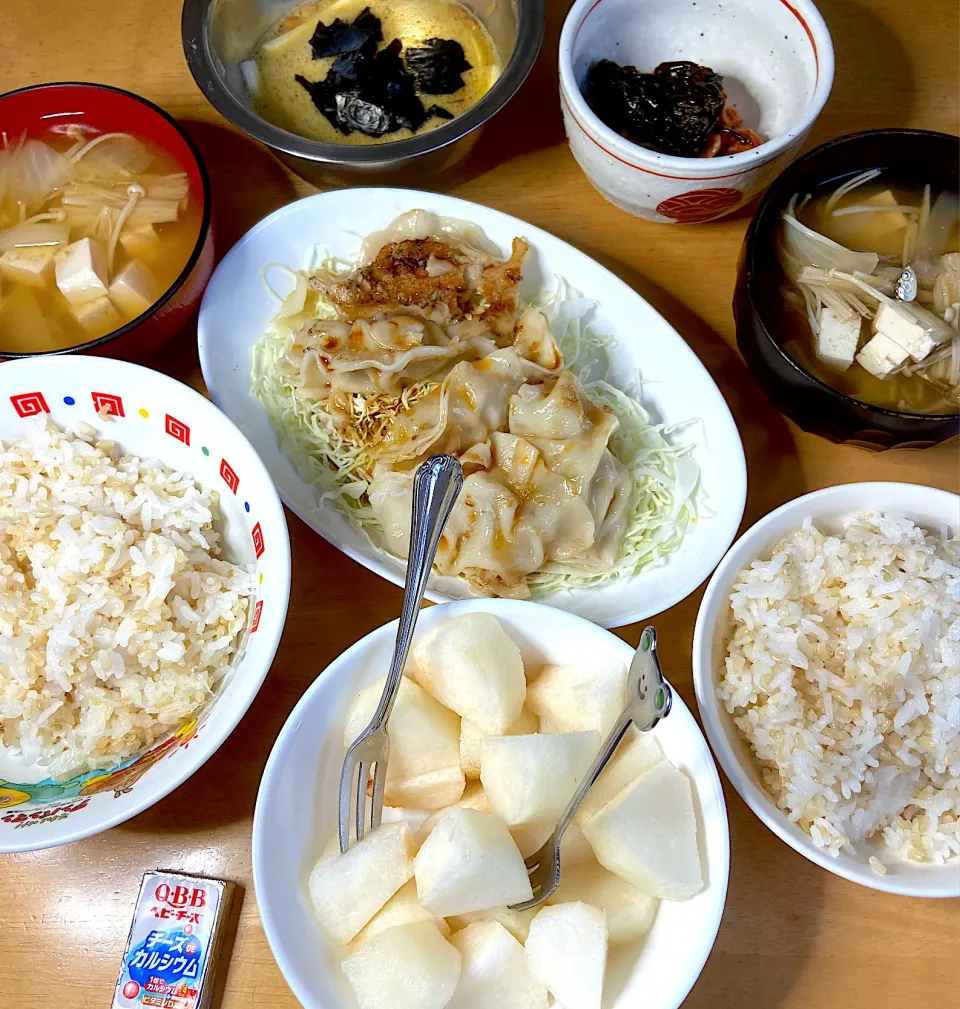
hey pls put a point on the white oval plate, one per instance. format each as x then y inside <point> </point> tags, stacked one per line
<point>237,309</point>
<point>296,814</point>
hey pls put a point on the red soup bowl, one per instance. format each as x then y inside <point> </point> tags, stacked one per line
<point>33,110</point>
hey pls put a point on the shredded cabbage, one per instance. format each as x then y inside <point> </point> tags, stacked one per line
<point>666,479</point>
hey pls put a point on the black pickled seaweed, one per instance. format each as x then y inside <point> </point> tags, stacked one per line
<point>438,65</point>
<point>674,110</point>
<point>338,37</point>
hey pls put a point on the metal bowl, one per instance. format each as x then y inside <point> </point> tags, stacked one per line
<point>219,34</point>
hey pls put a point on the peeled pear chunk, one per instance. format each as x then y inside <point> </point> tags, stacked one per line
<point>348,890</point>
<point>530,779</point>
<point>574,847</point>
<point>648,834</point>
<point>424,735</point>
<point>635,755</point>
<point>469,863</point>
<point>473,797</point>
<point>567,952</point>
<point>494,973</point>
<point>577,698</point>
<point>472,737</point>
<point>408,966</point>
<point>517,923</point>
<point>432,790</point>
<point>630,912</point>
<point>473,667</point>
<point>402,908</point>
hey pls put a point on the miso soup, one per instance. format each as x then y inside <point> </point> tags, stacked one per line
<point>872,298</point>
<point>94,229</point>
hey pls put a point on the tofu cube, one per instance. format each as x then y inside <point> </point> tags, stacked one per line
<point>98,317</point>
<point>32,266</point>
<point>133,289</point>
<point>410,966</point>
<point>838,339</point>
<point>140,241</point>
<point>881,355</point>
<point>24,326</point>
<point>81,271</point>
<point>911,326</point>
<point>469,863</point>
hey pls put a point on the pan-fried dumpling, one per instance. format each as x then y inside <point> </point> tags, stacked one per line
<point>535,343</point>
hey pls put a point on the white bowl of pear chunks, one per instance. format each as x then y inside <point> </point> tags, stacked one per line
<point>503,707</point>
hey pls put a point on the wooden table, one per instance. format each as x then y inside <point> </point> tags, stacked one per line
<point>793,936</point>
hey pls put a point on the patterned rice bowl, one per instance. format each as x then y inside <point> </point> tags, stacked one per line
<point>153,416</point>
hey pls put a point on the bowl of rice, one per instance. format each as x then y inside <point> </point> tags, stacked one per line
<point>144,580</point>
<point>826,661</point>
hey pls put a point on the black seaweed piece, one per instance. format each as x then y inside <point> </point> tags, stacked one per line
<point>370,93</point>
<point>396,88</point>
<point>324,96</point>
<point>438,66</point>
<point>338,37</point>
<point>673,110</point>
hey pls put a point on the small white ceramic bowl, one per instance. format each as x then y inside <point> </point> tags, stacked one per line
<point>776,60</point>
<point>153,416</point>
<point>926,506</point>
<point>296,814</point>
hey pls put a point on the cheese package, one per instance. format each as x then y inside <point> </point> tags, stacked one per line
<point>174,942</point>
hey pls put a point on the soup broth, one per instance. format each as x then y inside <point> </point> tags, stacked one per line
<point>286,54</point>
<point>137,248</point>
<point>905,227</point>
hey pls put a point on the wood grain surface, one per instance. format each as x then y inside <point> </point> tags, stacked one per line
<point>793,936</point>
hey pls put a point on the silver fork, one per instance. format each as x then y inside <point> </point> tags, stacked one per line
<point>649,699</point>
<point>435,488</point>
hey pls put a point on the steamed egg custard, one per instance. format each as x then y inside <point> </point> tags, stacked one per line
<point>340,72</point>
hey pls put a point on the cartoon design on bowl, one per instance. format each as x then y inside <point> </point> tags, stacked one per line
<point>120,780</point>
<point>12,797</point>
<point>124,778</point>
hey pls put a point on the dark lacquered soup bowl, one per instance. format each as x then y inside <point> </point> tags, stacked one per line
<point>909,157</point>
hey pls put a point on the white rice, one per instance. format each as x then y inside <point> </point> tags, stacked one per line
<point>117,618</point>
<point>843,674</point>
